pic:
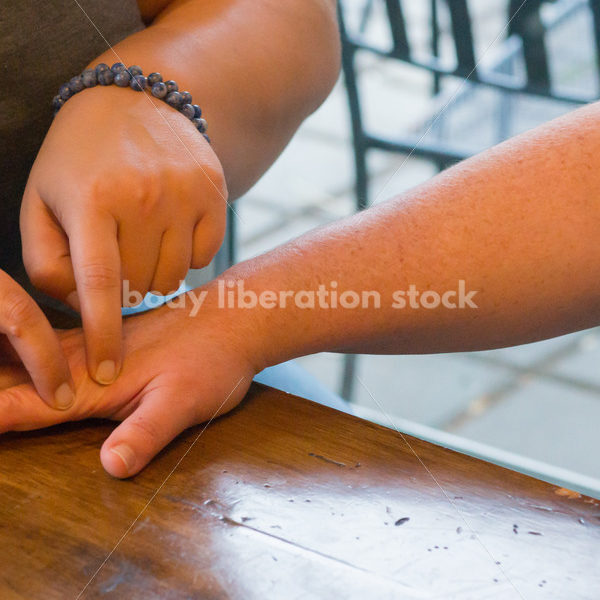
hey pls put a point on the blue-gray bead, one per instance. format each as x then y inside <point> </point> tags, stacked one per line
<point>76,84</point>
<point>200,124</point>
<point>123,79</point>
<point>135,70</point>
<point>64,91</point>
<point>188,111</point>
<point>174,99</point>
<point>118,67</point>
<point>197,111</point>
<point>57,103</point>
<point>138,83</point>
<point>89,78</point>
<point>206,137</point>
<point>102,67</point>
<point>187,97</point>
<point>154,78</point>
<point>171,86</point>
<point>159,90</point>
<point>106,77</point>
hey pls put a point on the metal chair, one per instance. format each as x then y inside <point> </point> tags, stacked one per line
<point>227,255</point>
<point>526,37</point>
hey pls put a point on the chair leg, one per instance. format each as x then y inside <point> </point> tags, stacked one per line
<point>226,256</point>
<point>359,145</point>
<point>362,177</point>
<point>595,8</point>
<point>231,236</point>
<point>435,45</point>
<point>348,377</point>
<point>364,17</point>
<point>436,77</point>
<point>362,201</point>
<point>505,111</point>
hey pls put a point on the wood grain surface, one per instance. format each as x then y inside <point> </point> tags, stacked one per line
<point>284,498</point>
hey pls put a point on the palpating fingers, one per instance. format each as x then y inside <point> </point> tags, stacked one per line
<point>36,344</point>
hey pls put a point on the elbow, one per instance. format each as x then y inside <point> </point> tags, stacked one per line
<point>309,57</point>
<point>323,54</point>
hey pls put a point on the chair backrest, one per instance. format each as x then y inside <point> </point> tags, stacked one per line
<point>524,20</point>
<point>461,30</point>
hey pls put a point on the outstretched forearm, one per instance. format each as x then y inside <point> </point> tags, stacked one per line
<point>519,224</point>
<point>257,68</point>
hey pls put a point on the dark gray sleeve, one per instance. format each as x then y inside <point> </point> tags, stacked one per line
<point>42,45</point>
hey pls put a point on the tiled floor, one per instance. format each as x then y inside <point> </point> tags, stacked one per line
<point>542,400</point>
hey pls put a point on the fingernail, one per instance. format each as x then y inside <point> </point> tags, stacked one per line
<point>107,372</point>
<point>73,301</point>
<point>126,454</point>
<point>64,397</point>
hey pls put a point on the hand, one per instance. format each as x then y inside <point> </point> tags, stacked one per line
<point>123,188</point>
<point>29,335</point>
<point>178,371</point>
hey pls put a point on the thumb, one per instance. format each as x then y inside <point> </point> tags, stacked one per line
<point>163,413</point>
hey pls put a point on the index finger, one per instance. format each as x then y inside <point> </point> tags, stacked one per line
<point>36,343</point>
<point>97,267</point>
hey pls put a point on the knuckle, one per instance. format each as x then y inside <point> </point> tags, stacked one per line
<point>200,261</point>
<point>170,283</point>
<point>163,288</point>
<point>172,286</point>
<point>98,276</point>
<point>176,282</point>
<point>216,178</point>
<point>216,241</point>
<point>95,189</point>
<point>43,274</point>
<point>208,183</point>
<point>205,250</point>
<point>140,187</point>
<point>148,203</point>
<point>144,192</point>
<point>147,429</point>
<point>11,402</point>
<point>18,310</point>
<point>107,337</point>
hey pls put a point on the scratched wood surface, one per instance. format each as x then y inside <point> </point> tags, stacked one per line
<point>286,499</point>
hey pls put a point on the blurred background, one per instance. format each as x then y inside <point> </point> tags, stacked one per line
<point>450,77</point>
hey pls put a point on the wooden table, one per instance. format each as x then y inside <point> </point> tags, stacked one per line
<point>284,498</point>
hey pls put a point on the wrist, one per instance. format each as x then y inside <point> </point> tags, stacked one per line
<point>131,78</point>
<point>117,119</point>
<point>250,301</point>
<point>245,329</point>
<point>107,107</point>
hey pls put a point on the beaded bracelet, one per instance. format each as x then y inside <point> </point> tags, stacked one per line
<point>133,77</point>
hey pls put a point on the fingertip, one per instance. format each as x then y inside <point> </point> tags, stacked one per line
<point>106,372</point>
<point>64,397</point>
<point>166,289</point>
<point>145,432</point>
<point>119,461</point>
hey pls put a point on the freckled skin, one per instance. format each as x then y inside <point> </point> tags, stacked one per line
<point>523,234</point>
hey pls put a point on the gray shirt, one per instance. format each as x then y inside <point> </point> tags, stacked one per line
<point>42,45</point>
